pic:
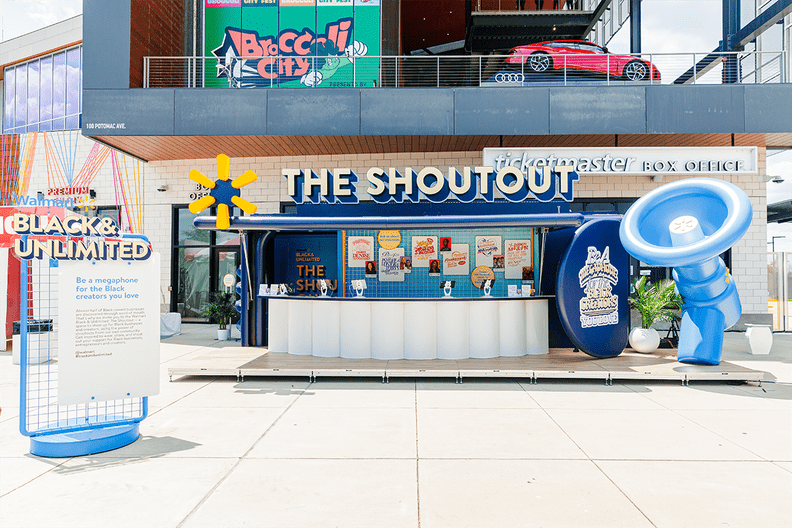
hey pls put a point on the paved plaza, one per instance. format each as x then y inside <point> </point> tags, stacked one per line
<point>426,453</point>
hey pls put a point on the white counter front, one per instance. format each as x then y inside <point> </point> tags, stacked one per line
<point>408,328</point>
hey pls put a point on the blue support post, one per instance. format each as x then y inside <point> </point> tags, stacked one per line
<point>635,26</point>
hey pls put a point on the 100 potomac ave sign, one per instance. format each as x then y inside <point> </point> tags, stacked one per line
<point>629,161</point>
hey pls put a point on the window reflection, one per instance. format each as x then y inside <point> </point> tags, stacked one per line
<point>44,93</point>
<point>21,96</point>
<point>72,82</point>
<point>45,96</point>
<point>33,96</point>
<point>9,88</point>
<point>58,85</point>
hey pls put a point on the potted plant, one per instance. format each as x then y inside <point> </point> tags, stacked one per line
<point>221,310</point>
<point>655,302</point>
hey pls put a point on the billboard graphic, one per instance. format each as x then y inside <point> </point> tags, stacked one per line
<point>292,43</point>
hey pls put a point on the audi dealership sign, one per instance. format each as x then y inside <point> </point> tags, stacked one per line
<point>690,161</point>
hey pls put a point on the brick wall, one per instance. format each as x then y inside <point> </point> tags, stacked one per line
<point>157,29</point>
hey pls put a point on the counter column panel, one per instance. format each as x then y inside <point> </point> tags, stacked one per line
<point>484,329</point>
<point>420,330</point>
<point>278,324</point>
<point>453,330</point>
<point>325,329</point>
<point>355,327</point>
<point>512,328</point>
<point>387,330</point>
<point>299,323</point>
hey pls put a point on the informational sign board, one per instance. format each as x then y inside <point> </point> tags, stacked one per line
<point>109,330</point>
<point>424,249</point>
<point>359,250</point>
<point>456,261</point>
<point>389,239</point>
<point>592,287</point>
<point>480,275</point>
<point>390,269</point>
<point>486,248</point>
<point>301,260</point>
<point>519,254</point>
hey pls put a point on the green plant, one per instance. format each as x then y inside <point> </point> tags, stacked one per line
<point>221,309</point>
<point>655,302</point>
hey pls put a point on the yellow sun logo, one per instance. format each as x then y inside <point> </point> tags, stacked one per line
<point>85,203</point>
<point>223,192</point>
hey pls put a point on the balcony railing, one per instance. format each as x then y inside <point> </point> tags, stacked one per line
<point>534,5</point>
<point>465,70</point>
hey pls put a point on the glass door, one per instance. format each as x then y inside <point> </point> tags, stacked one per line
<point>200,260</point>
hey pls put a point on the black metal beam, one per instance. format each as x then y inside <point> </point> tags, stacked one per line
<point>758,25</point>
<point>739,39</point>
<point>601,7</point>
<point>703,66</point>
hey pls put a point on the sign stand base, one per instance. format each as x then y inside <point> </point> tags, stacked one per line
<point>86,442</point>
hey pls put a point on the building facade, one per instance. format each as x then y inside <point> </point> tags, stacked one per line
<point>164,118</point>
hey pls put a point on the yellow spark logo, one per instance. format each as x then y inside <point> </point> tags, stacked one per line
<point>223,192</point>
<point>83,202</point>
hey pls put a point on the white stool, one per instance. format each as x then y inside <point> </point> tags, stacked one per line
<point>760,338</point>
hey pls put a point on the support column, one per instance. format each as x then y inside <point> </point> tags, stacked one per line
<point>731,25</point>
<point>635,26</point>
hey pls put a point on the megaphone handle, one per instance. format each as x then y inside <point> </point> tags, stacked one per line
<point>701,336</point>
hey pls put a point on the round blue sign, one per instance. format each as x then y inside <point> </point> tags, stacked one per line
<point>592,287</point>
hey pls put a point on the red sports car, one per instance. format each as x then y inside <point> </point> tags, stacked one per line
<point>580,57</point>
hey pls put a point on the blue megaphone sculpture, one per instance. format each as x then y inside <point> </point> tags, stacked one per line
<point>687,225</point>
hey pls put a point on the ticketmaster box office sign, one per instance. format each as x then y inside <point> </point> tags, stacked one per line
<point>99,291</point>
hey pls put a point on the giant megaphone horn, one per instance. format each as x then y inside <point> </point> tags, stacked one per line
<point>687,225</point>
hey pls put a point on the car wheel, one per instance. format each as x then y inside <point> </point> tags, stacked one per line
<point>539,62</point>
<point>635,71</point>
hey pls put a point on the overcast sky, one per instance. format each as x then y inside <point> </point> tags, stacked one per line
<point>668,26</point>
<point>23,16</point>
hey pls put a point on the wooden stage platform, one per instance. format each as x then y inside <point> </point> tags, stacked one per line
<point>246,362</point>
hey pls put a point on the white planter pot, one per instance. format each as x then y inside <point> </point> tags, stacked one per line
<point>222,335</point>
<point>644,340</point>
<point>760,338</point>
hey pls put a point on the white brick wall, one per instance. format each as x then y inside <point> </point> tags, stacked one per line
<point>749,257</point>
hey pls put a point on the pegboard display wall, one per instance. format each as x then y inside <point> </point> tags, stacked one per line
<point>416,282</point>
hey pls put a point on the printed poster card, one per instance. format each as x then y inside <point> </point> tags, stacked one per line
<point>457,260</point>
<point>486,249</point>
<point>359,250</point>
<point>445,244</point>
<point>424,249</point>
<point>434,267</point>
<point>518,255</point>
<point>498,262</point>
<point>406,264</point>
<point>513,292</point>
<point>390,265</point>
<point>371,268</point>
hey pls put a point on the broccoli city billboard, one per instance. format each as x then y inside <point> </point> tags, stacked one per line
<point>292,43</point>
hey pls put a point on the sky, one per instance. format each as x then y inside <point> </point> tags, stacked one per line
<point>18,17</point>
<point>668,26</point>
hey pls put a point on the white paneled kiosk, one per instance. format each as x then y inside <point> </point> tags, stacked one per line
<point>408,328</point>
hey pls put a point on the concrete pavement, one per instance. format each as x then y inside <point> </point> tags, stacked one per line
<point>422,453</point>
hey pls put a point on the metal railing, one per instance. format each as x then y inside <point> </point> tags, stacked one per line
<point>465,70</point>
<point>533,5</point>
